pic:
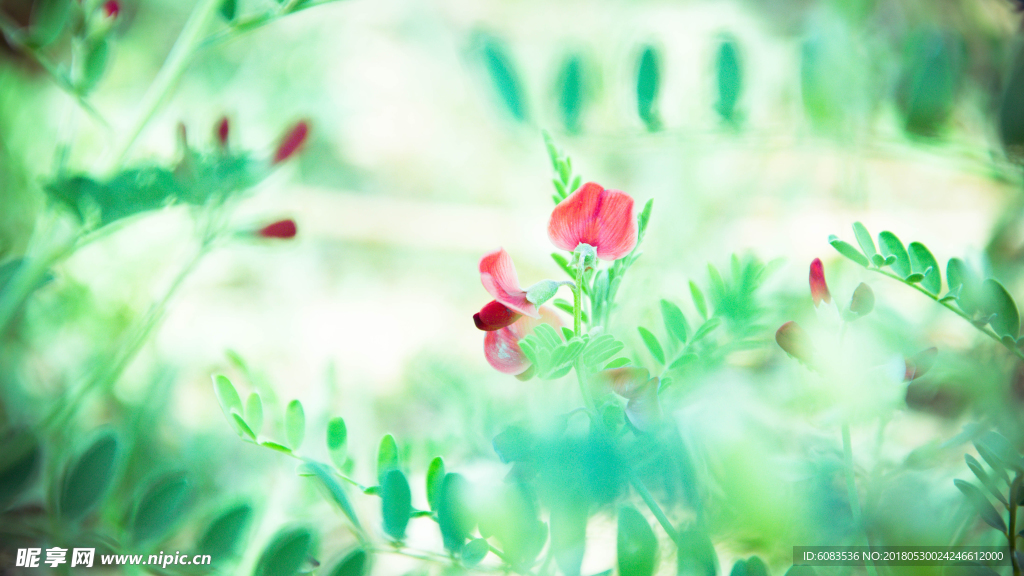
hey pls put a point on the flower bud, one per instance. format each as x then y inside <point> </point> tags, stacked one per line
<point>494,316</point>
<point>111,8</point>
<point>222,130</point>
<point>863,300</point>
<point>291,142</point>
<point>819,290</point>
<point>282,229</point>
<point>920,363</point>
<point>795,342</point>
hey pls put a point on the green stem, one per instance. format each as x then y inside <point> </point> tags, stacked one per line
<point>577,296</point>
<point>851,487</point>
<point>1011,533</point>
<point>174,66</point>
<point>986,330</point>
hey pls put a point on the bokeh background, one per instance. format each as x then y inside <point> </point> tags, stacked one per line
<point>758,128</point>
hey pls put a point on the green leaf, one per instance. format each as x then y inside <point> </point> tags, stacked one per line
<point>254,413</point>
<point>396,503</point>
<point>48,21</point>
<point>698,300</point>
<point>87,478</point>
<point>242,428</point>
<point>962,281</point>
<point>800,570</point>
<point>652,344</point>
<point>295,424</point>
<point>878,260</point>
<point>981,504</point>
<point>645,217</point>
<point>637,547</point>
<point>994,445</point>
<point>337,437</point>
<point>504,77</point>
<point>647,85</point>
<point>986,480</point>
<point>617,363</point>
<point>333,489</point>
<point>682,361</point>
<point>159,508</point>
<point>914,278</point>
<point>275,446</point>
<point>847,249</point>
<point>706,328</point>
<point>730,79</point>
<point>453,513</point>
<point>1011,109</point>
<point>696,554</point>
<point>571,93</point>
<point>890,245</point>
<point>387,457</point>
<point>752,566</point>
<point>922,261</point>
<point>19,462</point>
<point>286,553</point>
<point>354,564</point>
<point>226,533</point>
<point>228,9</point>
<point>474,552</point>
<point>94,65</point>
<point>867,245</point>
<point>675,322</point>
<point>568,526</point>
<point>999,302</point>
<point>227,396</point>
<point>435,477</point>
<point>933,64</point>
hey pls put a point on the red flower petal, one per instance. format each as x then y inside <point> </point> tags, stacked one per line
<point>494,316</point>
<point>291,142</point>
<point>501,347</point>
<point>283,229</point>
<point>592,215</point>
<point>819,290</point>
<point>498,275</point>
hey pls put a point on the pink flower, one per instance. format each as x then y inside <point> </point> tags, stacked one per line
<point>291,142</point>
<point>501,346</point>
<point>282,229</point>
<point>498,275</point>
<point>819,290</point>
<point>598,217</point>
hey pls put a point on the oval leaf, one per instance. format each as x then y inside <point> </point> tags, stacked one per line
<point>647,84</point>
<point>474,552</point>
<point>867,245</point>
<point>435,477</point>
<point>396,503</point>
<point>504,77</point>
<point>571,93</point>
<point>675,322</point>
<point>652,344</point>
<point>227,396</point>
<point>295,424</point>
<point>922,262</point>
<point>354,564</point>
<point>847,249</point>
<point>387,457</point>
<point>88,477</point>
<point>286,553</point>
<point>996,300</point>
<point>890,245</point>
<point>986,480</point>
<point>637,547</point>
<point>334,491</point>
<point>254,412</point>
<point>224,535</point>
<point>453,513</point>
<point>159,508</point>
<point>730,79</point>
<point>981,504</point>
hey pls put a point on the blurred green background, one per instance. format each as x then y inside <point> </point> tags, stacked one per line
<point>757,127</point>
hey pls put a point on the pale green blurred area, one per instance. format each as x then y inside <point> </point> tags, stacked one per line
<point>415,168</point>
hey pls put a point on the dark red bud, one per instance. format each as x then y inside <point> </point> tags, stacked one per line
<point>291,142</point>
<point>792,338</point>
<point>222,132</point>
<point>283,229</point>
<point>494,316</point>
<point>819,290</point>
<point>111,8</point>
